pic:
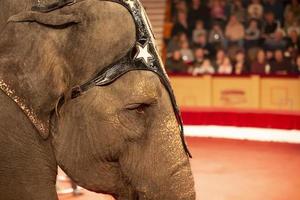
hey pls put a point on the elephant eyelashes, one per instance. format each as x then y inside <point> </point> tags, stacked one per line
<point>139,108</point>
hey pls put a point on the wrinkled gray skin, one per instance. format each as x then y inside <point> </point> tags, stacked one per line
<point>104,140</point>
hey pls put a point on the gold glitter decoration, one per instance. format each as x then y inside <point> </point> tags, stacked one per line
<point>39,125</point>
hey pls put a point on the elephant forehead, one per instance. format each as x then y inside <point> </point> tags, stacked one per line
<point>132,87</point>
<point>110,24</point>
<point>144,84</point>
<point>106,33</point>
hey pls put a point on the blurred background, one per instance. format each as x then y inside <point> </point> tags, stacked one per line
<point>235,68</point>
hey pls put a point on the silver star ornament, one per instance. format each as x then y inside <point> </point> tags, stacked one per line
<point>143,53</point>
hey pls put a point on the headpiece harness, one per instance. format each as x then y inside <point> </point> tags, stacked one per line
<point>144,56</point>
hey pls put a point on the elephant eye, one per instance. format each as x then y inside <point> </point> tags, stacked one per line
<point>139,108</point>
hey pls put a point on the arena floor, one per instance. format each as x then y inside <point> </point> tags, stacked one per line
<point>238,170</point>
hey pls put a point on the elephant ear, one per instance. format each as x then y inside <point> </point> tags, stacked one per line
<point>56,20</point>
<point>48,19</point>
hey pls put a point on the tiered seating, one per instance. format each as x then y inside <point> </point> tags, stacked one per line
<point>156,13</point>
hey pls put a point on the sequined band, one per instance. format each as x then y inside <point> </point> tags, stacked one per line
<point>39,125</point>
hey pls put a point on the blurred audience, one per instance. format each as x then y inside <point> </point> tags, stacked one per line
<point>234,37</point>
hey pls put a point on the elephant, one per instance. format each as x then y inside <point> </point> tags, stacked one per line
<point>121,137</point>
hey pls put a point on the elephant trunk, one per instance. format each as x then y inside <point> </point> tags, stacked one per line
<point>167,181</point>
<point>159,168</point>
<point>178,186</point>
<point>177,182</point>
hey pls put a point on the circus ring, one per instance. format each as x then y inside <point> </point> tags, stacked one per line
<point>244,134</point>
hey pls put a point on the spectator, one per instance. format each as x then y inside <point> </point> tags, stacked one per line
<point>240,65</point>
<point>260,65</point>
<point>180,6</point>
<point>276,41</point>
<point>225,67</point>
<point>294,7</point>
<point>255,10</point>
<point>198,11</point>
<point>175,42</point>
<point>269,55</point>
<point>202,43</point>
<point>186,53</point>
<point>246,3</point>
<point>217,8</point>
<point>216,37</point>
<point>199,30</point>
<point>270,25</point>
<point>181,25</point>
<point>294,41</point>
<point>220,56</point>
<point>205,68</point>
<point>297,65</point>
<point>289,20</point>
<point>194,13</point>
<point>252,34</point>
<point>293,45</point>
<point>199,57</point>
<point>276,7</point>
<point>280,65</point>
<point>175,63</point>
<point>238,10</point>
<point>294,27</point>
<point>235,32</point>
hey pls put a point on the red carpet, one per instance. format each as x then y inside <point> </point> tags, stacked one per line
<point>242,118</point>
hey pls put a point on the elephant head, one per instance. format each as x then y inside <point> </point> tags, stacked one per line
<point>116,128</point>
